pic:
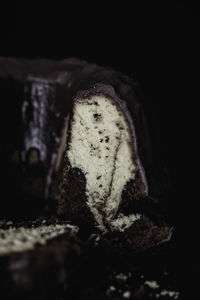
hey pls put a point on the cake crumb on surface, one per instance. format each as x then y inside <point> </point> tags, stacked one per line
<point>152,284</point>
<point>121,276</point>
<point>127,294</point>
<point>169,293</point>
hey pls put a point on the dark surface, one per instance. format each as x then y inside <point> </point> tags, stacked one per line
<point>152,265</point>
<point>159,43</point>
<point>66,268</point>
<point>44,272</point>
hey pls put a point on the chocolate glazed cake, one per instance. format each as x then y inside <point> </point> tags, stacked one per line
<point>37,99</point>
<point>37,262</point>
<point>76,138</point>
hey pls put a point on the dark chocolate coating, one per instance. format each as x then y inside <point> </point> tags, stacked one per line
<point>36,99</point>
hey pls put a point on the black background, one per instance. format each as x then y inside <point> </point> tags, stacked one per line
<point>156,43</point>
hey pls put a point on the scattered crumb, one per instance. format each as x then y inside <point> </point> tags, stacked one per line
<point>152,284</point>
<point>127,294</point>
<point>95,237</point>
<point>121,276</point>
<point>123,222</point>
<point>9,223</point>
<point>110,290</point>
<point>173,294</point>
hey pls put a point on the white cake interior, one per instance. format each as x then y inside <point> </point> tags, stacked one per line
<point>21,239</point>
<point>101,146</point>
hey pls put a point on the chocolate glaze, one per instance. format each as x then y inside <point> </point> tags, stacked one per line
<point>37,97</point>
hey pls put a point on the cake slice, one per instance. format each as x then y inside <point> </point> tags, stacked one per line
<point>102,150</point>
<point>105,180</point>
<point>37,262</point>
